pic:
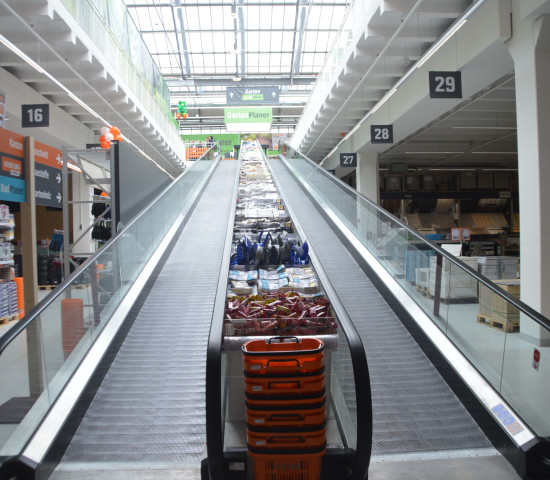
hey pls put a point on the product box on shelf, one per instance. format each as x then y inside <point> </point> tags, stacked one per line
<point>284,314</point>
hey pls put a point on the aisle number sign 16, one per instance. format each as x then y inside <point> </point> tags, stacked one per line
<point>445,84</point>
<point>35,115</point>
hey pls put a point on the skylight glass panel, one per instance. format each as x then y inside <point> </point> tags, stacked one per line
<point>194,42</point>
<point>197,59</point>
<point>160,18</point>
<point>275,62</point>
<point>142,19</point>
<point>324,41</point>
<point>207,41</point>
<point>289,17</point>
<point>286,61</point>
<point>157,43</point>
<point>221,18</point>
<point>219,60</point>
<point>325,18</point>
<point>313,17</point>
<point>252,17</point>
<point>205,18</point>
<point>277,16</point>
<point>287,42</point>
<point>191,17</point>
<point>251,40</point>
<point>276,41</point>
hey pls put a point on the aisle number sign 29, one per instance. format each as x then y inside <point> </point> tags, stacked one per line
<point>381,133</point>
<point>445,84</point>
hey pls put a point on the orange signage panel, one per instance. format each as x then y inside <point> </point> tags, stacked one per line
<point>47,155</point>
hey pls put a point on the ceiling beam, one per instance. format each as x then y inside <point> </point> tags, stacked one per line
<point>183,53</point>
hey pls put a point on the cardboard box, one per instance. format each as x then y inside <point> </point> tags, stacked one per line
<point>497,308</point>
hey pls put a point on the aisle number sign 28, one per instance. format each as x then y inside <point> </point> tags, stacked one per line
<point>445,84</point>
<point>381,133</point>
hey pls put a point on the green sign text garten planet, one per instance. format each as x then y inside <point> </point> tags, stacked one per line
<point>248,115</point>
<point>252,96</point>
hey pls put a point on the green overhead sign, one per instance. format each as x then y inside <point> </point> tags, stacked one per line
<point>248,115</point>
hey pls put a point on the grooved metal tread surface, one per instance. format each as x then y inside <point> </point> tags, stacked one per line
<point>414,410</point>
<point>151,404</point>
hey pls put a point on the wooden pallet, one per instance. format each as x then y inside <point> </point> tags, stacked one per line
<point>503,327</point>
<point>454,301</point>
<point>8,319</point>
<point>424,291</point>
<point>46,287</point>
<point>80,286</point>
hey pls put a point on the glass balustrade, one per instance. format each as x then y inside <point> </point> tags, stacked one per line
<point>473,312</point>
<point>52,340</point>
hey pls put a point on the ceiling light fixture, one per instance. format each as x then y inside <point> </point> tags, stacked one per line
<point>495,153</point>
<point>21,54</point>
<point>484,128</point>
<point>434,152</point>
<point>236,78</point>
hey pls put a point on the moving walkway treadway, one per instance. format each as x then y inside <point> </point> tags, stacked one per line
<point>140,382</point>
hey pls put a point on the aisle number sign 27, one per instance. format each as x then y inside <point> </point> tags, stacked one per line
<point>348,159</point>
<point>445,84</point>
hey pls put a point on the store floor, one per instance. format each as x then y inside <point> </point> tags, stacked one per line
<point>505,359</point>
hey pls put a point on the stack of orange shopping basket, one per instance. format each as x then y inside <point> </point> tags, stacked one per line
<point>285,407</point>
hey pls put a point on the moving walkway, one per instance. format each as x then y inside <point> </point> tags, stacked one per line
<point>130,386</point>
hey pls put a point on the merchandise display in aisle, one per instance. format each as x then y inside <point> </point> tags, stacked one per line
<point>9,309</point>
<point>272,289</point>
<point>280,390</point>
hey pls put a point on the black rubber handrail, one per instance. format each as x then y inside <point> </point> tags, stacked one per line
<point>522,307</point>
<point>213,391</point>
<point>22,324</point>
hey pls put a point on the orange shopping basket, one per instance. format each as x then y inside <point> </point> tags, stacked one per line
<point>287,465</point>
<point>308,415</point>
<point>289,384</point>
<point>283,355</point>
<point>270,438</point>
<point>276,401</point>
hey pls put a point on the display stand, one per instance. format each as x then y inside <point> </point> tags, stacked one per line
<point>77,157</point>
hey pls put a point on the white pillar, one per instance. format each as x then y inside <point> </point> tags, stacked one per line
<point>367,175</point>
<point>82,216</point>
<point>367,185</point>
<point>530,49</point>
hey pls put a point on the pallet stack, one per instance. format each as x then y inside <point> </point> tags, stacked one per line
<point>285,407</point>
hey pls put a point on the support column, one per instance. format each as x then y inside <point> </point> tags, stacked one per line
<point>367,185</point>
<point>81,214</point>
<point>367,175</point>
<point>530,49</point>
<point>28,241</point>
